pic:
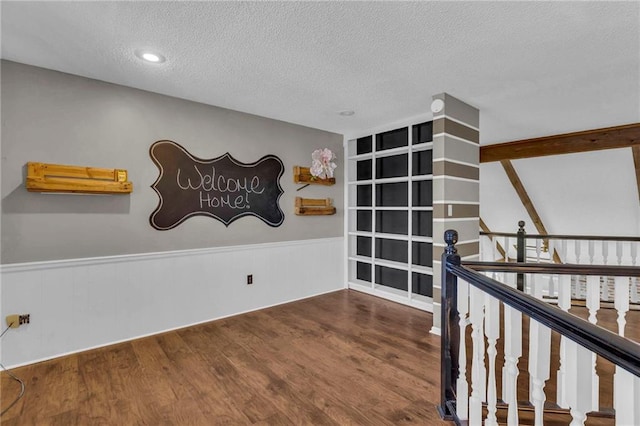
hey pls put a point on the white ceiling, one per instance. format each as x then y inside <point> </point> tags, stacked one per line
<point>533,68</point>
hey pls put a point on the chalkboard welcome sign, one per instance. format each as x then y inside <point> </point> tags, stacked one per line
<point>223,188</point>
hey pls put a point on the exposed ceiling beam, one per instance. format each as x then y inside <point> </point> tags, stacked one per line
<point>568,143</point>
<point>499,247</point>
<point>524,197</point>
<point>636,162</point>
<point>527,203</point>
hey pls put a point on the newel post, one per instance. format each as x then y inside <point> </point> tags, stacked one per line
<point>521,252</point>
<point>450,337</point>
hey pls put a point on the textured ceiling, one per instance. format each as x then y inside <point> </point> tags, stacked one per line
<point>533,68</point>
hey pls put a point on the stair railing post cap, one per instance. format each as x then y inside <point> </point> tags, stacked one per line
<point>451,238</point>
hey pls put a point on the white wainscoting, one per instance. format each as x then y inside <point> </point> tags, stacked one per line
<point>81,304</point>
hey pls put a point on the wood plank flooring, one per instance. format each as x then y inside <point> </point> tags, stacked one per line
<point>338,359</point>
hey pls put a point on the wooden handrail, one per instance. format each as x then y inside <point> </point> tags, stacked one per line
<point>553,268</point>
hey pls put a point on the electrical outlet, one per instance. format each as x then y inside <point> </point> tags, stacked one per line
<point>24,319</point>
<point>250,279</point>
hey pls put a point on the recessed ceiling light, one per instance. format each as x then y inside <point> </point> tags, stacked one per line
<point>149,56</point>
<point>347,113</point>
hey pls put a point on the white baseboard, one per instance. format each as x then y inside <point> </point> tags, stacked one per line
<point>81,304</point>
<point>11,366</point>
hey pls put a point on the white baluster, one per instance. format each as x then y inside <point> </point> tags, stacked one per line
<point>621,301</point>
<point>579,384</point>
<point>539,358</point>
<point>634,252</point>
<point>593,305</point>
<point>551,287</point>
<point>593,297</point>
<point>591,246</point>
<point>577,247</point>
<point>564,292</point>
<point>512,353</point>
<point>477,363</point>
<point>564,303</point>
<point>619,252</point>
<point>492,331</point>
<point>626,394</point>
<point>538,249</point>
<point>535,281</point>
<point>462,386</point>
<point>508,280</point>
<point>605,252</point>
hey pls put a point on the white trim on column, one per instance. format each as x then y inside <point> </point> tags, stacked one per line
<point>458,178</point>
<point>462,163</point>
<point>449,135</point>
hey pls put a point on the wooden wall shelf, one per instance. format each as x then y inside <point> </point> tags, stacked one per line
<point>303,175</point>
<point>314,207</point>
<point>42,177</point>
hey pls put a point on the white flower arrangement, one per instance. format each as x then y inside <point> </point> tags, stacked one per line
<point>322,165</point>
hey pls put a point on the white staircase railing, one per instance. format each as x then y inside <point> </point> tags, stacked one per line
<point>568,249</point>
<point>489,303</point>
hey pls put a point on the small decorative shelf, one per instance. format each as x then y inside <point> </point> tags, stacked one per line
<point>314,207</point>
<point>303,175</point>
<point>42,177</point>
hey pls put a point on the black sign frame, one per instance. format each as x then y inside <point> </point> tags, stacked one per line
<point>174,208</point>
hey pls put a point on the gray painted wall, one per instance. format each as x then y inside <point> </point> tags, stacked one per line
<point>53,117</point>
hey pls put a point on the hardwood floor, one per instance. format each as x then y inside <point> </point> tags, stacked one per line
<point>337,359</point>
